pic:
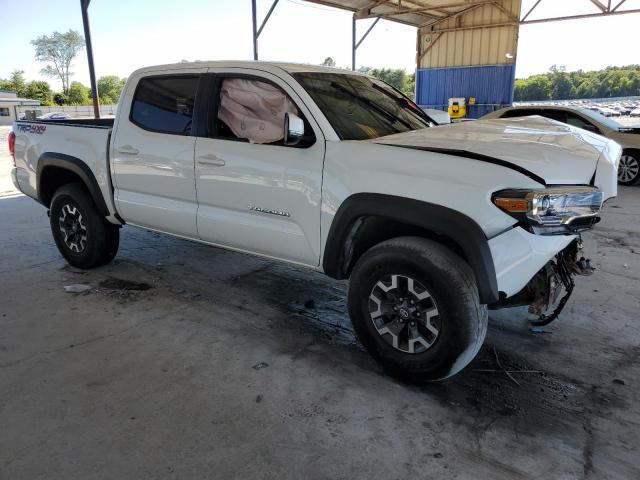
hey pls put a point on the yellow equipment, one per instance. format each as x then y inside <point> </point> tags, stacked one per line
<point>457,108</point>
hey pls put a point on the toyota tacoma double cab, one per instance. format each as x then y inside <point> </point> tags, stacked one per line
<point>338,172</point>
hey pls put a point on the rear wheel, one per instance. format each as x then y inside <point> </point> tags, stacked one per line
<point>83,237</point>
<point>629,168</point>
<point>415,307</point>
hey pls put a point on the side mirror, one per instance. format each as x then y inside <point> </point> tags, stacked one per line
<point>293,129</point>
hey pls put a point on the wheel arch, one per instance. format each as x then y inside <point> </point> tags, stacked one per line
<point>365,219</point>
<point>57,169</point>
<point>635,151</point>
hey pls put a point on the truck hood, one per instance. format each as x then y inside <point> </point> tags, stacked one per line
<point>544,149</point>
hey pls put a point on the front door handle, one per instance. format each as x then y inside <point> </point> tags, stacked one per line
<point>128,150</point>
<point>211,160</point>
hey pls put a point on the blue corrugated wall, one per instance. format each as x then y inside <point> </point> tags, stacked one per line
<point>491,85</point>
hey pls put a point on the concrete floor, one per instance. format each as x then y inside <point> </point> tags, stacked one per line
<point>185,361</point>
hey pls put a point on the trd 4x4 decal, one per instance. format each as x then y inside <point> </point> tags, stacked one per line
<point>28,128</point>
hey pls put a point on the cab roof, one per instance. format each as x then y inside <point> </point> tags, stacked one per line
<point>260,65</point>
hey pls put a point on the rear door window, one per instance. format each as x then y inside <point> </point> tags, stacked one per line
<point>577,121</point>
<point>519,112</point>
<point>526,112</point>
<point>165,103</point>
<point>558,115</point>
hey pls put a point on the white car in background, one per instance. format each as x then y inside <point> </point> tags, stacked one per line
<point>608,112</point>
<point>635,112</point>
<point>586,118</point>
<point>438,116</point>
<point>54,116</point>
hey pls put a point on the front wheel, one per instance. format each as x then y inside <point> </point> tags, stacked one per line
<point>83,237</point>
<point>629,168</point>
<point>414,305</point>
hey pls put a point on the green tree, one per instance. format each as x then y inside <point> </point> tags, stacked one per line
<point>328,62</point>
<point>537,87</point>
<point>409,87</point>
<point>396,77</point>
<point>16,83</point>
<point>40,90</point>
<point>78,94</point>
<point>59,50</point>
<point>109,89</point>
<point>559,84</point>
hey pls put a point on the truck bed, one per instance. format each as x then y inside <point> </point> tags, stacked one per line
<point>76,122</point>
<point>83,141</point>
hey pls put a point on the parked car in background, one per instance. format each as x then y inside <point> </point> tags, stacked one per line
<point>588,119</point>
<point>54,116</point>
<point>438,116</point>
<point>624,110</point>
<point>608,112</point>
<point>635,112</point>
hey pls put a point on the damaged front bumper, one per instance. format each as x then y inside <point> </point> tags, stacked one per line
<point>518,255</point>
<point>543,292</point>
<point>535,270</point>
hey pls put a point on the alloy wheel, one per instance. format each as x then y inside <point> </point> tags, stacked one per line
<point>628,169</point>
<point>73,228</point>
<point>404,313</point>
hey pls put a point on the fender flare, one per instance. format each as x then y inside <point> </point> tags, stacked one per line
<point>462,229</point>
<point>76,166</point>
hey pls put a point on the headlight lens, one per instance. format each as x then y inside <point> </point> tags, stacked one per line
<point>552,210</point>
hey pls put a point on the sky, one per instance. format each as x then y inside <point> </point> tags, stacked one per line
<point>129,34</point>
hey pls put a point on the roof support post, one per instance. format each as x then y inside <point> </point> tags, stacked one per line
<point>257,31</point>
<point>84,6</point>
<point>355,44</point>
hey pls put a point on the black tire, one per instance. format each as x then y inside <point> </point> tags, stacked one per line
<point>95,240</point>
<point>461,321</point>
<point>629,168</point>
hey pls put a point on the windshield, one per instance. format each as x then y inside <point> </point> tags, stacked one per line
<point>359,107</point>
<point>598,117</point>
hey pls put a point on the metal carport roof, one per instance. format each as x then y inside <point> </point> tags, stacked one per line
<point>425,14</point>
<point>422,13</point>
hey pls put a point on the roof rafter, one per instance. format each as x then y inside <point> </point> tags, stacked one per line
<point>422,13</point>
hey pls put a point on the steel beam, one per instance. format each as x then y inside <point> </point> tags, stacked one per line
<point>257,31</point>
<point>576,17</point>
<point>264,22</point>
<point>254,18</point>
<point>84,6</point>
<point>616,7</point>
<point>355,44</point>
<point>530,10</point>
<point>601,7</point>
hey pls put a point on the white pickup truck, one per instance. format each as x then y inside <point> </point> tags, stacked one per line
<point>340,173</point>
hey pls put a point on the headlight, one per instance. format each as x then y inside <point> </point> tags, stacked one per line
<point>552,210</point>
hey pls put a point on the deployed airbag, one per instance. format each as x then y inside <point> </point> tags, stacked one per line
<point>254,110</point>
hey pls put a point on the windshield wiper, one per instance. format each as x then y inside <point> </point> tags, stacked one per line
<point>373,105</point>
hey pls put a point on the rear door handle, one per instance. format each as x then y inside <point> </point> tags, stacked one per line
<point>128,150</point>
<point>211,160</point>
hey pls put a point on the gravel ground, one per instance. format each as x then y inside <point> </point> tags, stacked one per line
<point>186,361</point>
